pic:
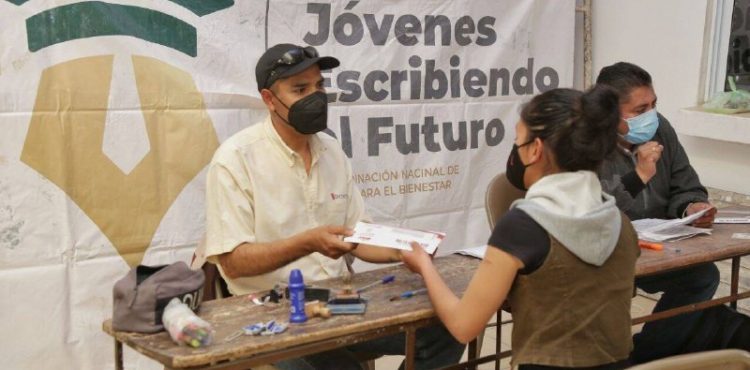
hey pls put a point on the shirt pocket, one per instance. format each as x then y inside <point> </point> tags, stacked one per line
<point>333,207</point>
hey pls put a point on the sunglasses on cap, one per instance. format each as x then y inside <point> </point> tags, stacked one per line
<point>296,55</point>
<point>292,57</point>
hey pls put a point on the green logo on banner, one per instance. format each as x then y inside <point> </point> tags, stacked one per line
<point>64,142</point>
<point>199,7</point>
<point>96,18</point>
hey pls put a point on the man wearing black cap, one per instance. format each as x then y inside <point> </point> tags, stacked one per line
<point>280,196</point>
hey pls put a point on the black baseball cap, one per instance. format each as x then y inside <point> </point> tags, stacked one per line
<point>284,60</point>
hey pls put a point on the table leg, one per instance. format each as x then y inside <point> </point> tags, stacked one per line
<point>473,349</point>
<point>118,355</point>
<point>734,288</point>
<point>411,344</point>
<point>498,338</point>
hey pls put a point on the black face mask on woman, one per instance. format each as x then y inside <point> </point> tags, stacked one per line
<point>308,115</point>
<point>515,169</point>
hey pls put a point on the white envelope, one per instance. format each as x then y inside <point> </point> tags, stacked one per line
<point>395,237</point>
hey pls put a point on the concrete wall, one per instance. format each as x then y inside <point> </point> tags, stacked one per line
<point>666,38</point>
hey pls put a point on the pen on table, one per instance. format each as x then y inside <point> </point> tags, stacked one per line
<point>385,280</point>
<point>408,294</point>
<point>650,245</point>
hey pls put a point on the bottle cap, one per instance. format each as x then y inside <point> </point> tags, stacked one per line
<point>295,278</point>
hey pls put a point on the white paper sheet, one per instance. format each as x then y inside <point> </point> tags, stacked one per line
<point>658,230</point>
<point>732,220</point>
<point>395,237</point>
<point>476,252</point>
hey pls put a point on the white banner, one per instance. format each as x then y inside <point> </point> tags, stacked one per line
<point>111,111</point>
<point>426,98</point>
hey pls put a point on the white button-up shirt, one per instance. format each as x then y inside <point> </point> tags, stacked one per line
<point>258,191</point>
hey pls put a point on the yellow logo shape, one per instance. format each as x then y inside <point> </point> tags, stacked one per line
<point>64,144</point>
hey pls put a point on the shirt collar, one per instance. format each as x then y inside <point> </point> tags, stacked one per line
<point>316,145</point>
<point>624,150</point>
<point>316,148</point>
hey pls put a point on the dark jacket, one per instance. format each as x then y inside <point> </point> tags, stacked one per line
<point>669,192</point>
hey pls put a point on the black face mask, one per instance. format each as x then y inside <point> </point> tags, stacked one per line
<point>308,115</point>
<point>515,169</point>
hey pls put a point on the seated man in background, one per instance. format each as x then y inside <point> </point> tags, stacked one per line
<point>280,196</point>
<point>651,177</point>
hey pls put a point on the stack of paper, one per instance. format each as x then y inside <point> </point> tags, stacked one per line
<point>658,230</point>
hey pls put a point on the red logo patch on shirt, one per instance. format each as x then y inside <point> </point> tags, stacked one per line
<point>335,196</point>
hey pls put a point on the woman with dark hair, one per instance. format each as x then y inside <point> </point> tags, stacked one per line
<point>564,256</point>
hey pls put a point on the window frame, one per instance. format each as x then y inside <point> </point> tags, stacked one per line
<point>716,40</point>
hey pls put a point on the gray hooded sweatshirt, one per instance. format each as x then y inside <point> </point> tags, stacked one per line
<point>572,208</point>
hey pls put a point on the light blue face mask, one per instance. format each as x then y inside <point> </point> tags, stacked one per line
<point>642,127</point>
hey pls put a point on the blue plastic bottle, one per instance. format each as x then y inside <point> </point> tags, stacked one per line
<point>297,297</point>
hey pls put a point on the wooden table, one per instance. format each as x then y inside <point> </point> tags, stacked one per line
<point>697,250</point>
<point>406,316</point>
<point>231,314</point>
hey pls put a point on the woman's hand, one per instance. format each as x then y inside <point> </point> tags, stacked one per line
<point>417,259</point>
